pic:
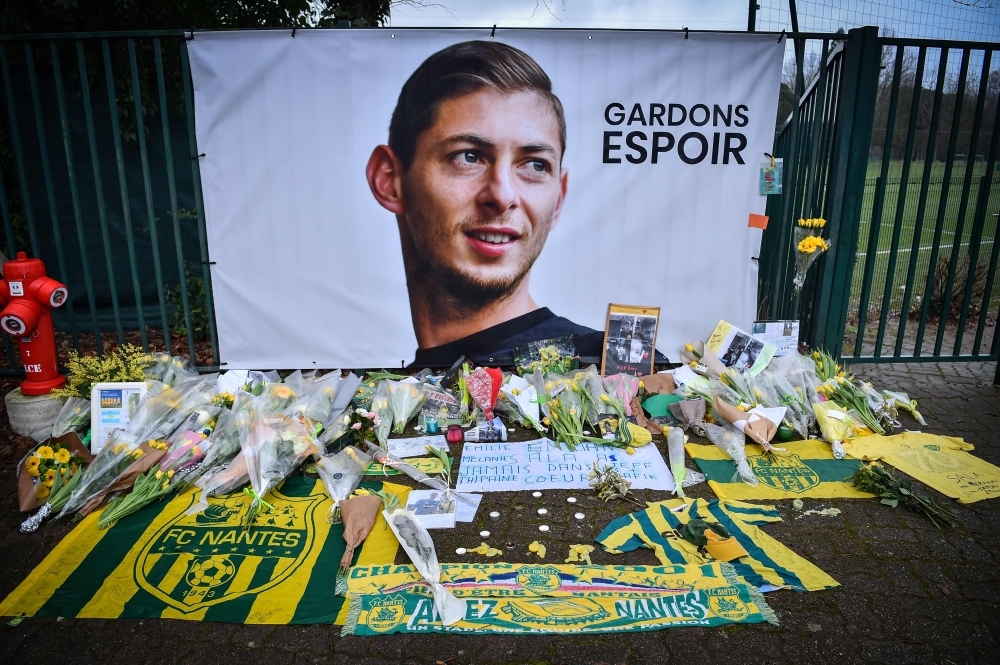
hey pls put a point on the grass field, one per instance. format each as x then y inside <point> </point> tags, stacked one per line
<point>918,250</point>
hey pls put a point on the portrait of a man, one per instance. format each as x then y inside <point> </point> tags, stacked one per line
<point>473,171</point>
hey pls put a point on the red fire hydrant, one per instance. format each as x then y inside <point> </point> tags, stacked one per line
<point>27,296</point>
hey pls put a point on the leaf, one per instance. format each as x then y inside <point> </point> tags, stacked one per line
<point>890,502</point>
<point>904,491</point>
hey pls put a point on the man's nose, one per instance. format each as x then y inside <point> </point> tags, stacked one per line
<point>499,195</point>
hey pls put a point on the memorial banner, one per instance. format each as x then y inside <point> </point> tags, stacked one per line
<point>376,197</point>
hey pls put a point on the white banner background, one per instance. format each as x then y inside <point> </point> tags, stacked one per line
<point>308,269</point>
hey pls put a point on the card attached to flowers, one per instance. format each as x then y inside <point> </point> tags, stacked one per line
<point>770,175</point>
<point>630,340</point>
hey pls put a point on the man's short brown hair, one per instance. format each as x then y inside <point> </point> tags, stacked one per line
<point>458,70</point>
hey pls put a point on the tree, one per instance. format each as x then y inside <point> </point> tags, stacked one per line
<point>33,16</point>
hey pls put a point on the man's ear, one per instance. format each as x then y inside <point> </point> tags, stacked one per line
<point>384,173</point>
<point>563,187</point>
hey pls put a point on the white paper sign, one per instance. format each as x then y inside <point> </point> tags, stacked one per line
<point>414,447</point>
<point>539,465</point>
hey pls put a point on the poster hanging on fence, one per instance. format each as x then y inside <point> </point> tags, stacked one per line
<point>376,197</point>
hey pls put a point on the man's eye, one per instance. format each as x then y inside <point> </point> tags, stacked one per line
<point>470,157</point>
<point>538,166</point>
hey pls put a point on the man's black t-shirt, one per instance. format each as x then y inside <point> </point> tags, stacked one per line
<point>494,346</point>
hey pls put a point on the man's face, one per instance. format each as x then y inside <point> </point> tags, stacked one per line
<point>483,191</point>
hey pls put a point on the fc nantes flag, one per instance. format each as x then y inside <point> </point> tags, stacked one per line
<point>807,470</point>
<point>160,562</point>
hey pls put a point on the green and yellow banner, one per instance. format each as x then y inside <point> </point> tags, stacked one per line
<point>805,470</point>
<point>553,598</point>
<point>162,563</point>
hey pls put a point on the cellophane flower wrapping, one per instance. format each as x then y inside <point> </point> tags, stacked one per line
<point>272,447</point>
<point>804,260</point>
<point>405,400</point>
<point>382,457</point>
<point>900,400</point>
<point>800,372</point>
<point>733,443</point>
<point>590,388</point>
<point>675,452</point>
<point>74,416</point>
<point>170,370</point>
<point>118,453</point>
<point>341,474</point>
<point>800,412</point>
<point>380,407</point>
<point>160,413</point>
<point>622,387</point>
<point>480,386</point>
<point>524,399</point>
<point>834,425</point>
<point>770,395</point>
<point>419,546</point>
<point>222,445</point>
<point>321,400</point>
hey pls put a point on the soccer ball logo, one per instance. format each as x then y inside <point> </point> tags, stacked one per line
<point>210,572</point>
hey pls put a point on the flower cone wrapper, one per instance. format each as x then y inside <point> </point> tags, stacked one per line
<point>480,384</point>
<point>126,479</point>
<point>413,537</point>
<point>359,514</point>
<point>760,429</point>
<point>691,414</point>
<point>675,452</point>
<point>641,420</point>
<point>659,384</point>
<point>834,425</point>
<point>26,499</point>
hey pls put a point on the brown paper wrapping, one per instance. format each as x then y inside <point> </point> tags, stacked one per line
<point>126,479</point>
<point>359,514</point>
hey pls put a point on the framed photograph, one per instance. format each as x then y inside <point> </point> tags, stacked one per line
<point>630,339</point>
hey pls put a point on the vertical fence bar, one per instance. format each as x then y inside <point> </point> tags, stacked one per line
<point>970,166</point>
<point>154,236</point>
<point>918,225</point>
<point>123,186</point>
<point>956,122</point>
<point>890,274</point>
<point>984,310</point>
<point>74,192</point>
<point>817,132</point>
<point>12,249</point>
<point>199,204</point>
<point>172,189</point>
<point>875,225</point>
<point>102,213</point>
<point>976,238</point>
<point>50,194</point>
<point>15,138</point>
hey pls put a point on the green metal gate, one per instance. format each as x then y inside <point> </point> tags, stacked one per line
<point>895,143</point>
<point>99,178</point>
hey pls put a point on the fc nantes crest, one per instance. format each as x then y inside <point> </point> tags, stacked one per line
<point>196,561</point>
<point>784,472</point>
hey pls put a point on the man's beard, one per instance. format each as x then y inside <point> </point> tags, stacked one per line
<point>451,287</point>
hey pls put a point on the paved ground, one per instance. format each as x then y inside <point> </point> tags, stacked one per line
<point>910,592</point>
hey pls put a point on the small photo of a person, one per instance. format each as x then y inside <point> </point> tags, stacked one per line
<point>473,172</point>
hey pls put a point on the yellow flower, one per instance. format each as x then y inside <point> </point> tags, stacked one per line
<point>170,474</point>
<point>119,448</point>
<point>62,455</point>
<point>630,450</point>
<point>282,392</point>
<point>158,444</point>
<point>49,483</point>
<point>605,399</point>
<point>42,491</point>
<point>45,452</point>
<point>689,348</point>
<point>50,476</point>
<point>158,474</point>
<point>137,453</point>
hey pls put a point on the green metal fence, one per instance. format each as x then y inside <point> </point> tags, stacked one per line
<point>99,178</point>
<point>894,142</point>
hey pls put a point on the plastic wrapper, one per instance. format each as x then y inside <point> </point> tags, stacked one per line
<point>405,400</point>
<point>884,412</point>
<point>160,413</point>
<point>380,406</point>
<point>433,482</point>
<point>480,384</point>
<point>120,451</point>
<point>733,443</point>
<point>419,546</point>
<point>546,355</point>
<point>341,474</point>
<point>834,425</point>
<point>278,398</point>
<point>622,387</point>
<point>800,412</point>
<point>524,400</point>
<point>806,253</point>
<point>800,372</point>
<point>588,384</point>
<point>74,416</point>
<point>903,401</point>
<point>272,448</point>
<point>321,400</point>
<point>222,445</point>
<point>675,452</point>
<point>170,370</point>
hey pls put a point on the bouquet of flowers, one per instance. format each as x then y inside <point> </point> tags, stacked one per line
<point>902,401</point>
<point>523,399</point>
<point>405,400</point>
<point>622,387</point>
<point>341,474</point>
<point>222,445</point>
<point>799,414</point>
<point>565,416</point>
<point>383,457</point>
<point>117,455</point>
<point>588,385</point>
<point>74,416</point>
<point>126,363</point>
<point>843,392</point>
<point>161,411</point>
<point>272,447</point>
<point>50,467</point>
<point>834,425</point>
<point>809,245</point>
<point>169,370</point>
<point>733,443</point>
<point>876,479</point>
<point>483,385</point>
<point>380,407</point>
<point>419,546</point>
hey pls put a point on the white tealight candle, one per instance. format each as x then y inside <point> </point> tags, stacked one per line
<point>571,499</point>
<point>537,495</point>
<point>543,527</point>
<point>484,534</point>
<point>460,551</point>
<point>543,511</point>
<point>579,517</point>
<point>495,516</point>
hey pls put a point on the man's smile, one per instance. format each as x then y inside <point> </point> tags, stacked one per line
<point>491,241</point>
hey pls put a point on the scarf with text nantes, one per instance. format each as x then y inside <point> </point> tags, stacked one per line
<point>162,563</point>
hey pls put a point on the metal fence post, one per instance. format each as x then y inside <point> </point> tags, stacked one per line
<point>859,87</point>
